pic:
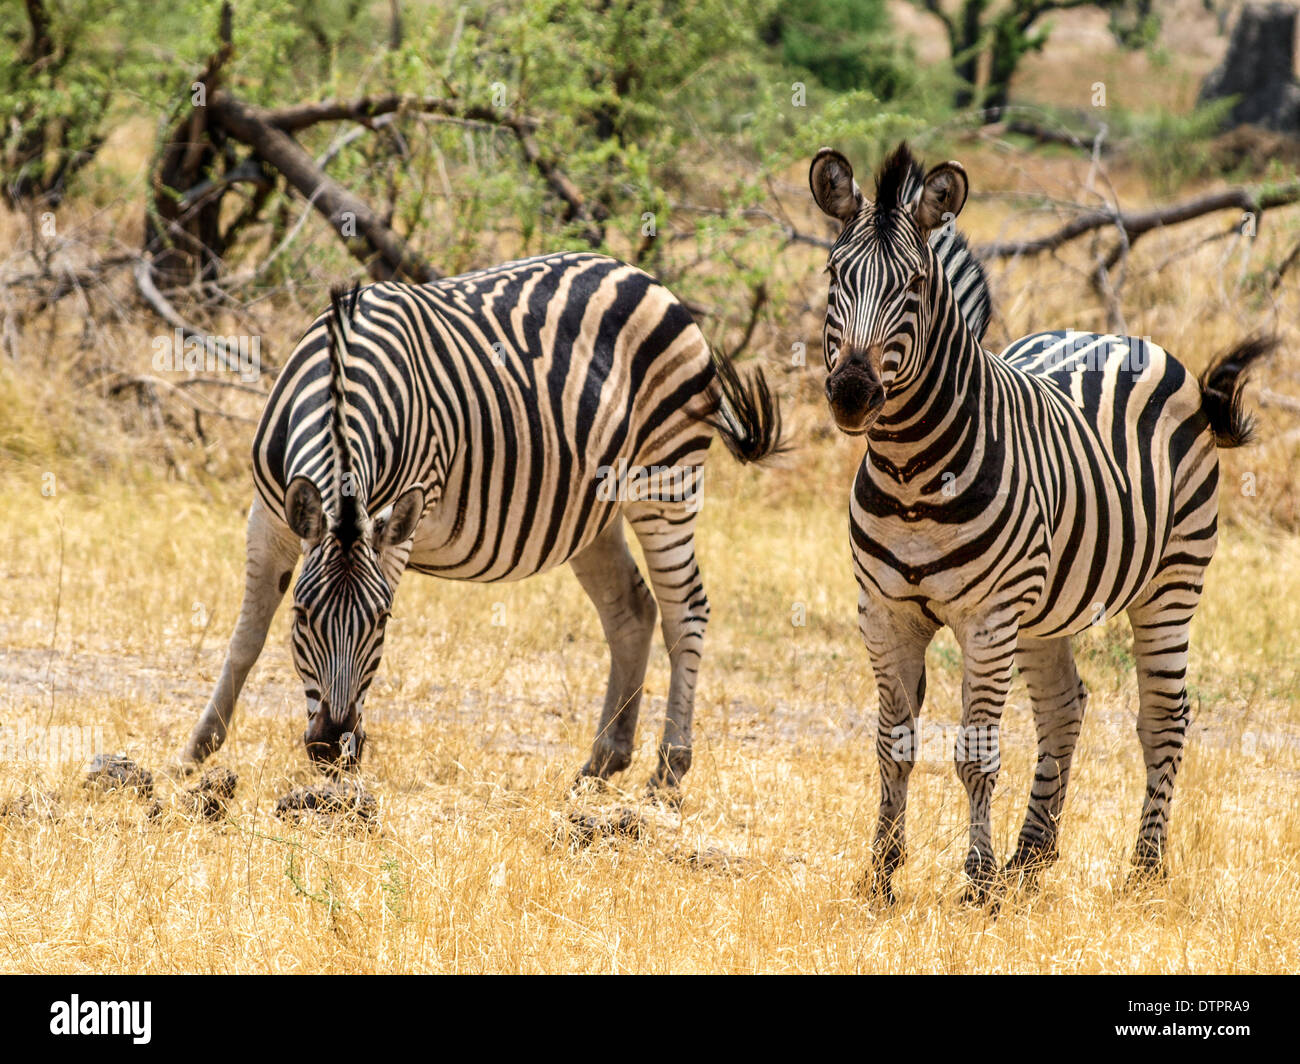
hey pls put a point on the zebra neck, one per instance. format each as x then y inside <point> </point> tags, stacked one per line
<point>938,395</point>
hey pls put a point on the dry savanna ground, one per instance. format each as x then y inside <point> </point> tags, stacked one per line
<point>120,575</point>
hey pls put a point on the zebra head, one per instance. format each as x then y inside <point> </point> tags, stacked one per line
<point>351,565</point>
<point>882,275</point>
<point>341,605</point>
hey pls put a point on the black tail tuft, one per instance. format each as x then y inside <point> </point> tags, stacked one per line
<point>745,413</point>
<point>1221,390</point>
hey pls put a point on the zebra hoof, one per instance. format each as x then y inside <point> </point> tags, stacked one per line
<point>981,881</point>
<point>665,794</point>
<point>1148,866</point>
<point>1025,869</point>
<point>674,763</point>
<point>1143,875</point>
<point>587,783</point>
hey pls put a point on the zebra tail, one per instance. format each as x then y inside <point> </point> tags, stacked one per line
<point>1222,383</point>
<point>745,413</point>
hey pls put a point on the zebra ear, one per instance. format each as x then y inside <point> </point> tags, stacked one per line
<point>943,195</point>
<point>399,525</point>
<point>831,179</point>
<point>304,511</point>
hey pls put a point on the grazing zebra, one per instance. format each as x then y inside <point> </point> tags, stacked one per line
<point>488,427</point>
<point>1018,500</point>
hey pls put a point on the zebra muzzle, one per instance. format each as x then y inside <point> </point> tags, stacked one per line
<point>334,740</point>
<point>855,395</point>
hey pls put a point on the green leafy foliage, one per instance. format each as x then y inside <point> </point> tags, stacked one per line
<point>845,44</point>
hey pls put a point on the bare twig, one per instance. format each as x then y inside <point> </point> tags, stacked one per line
<point>147,381</point>
<point>1267,397</point>
<point>1293,256</point>
<point>366,108</point>
<point>149,292</point>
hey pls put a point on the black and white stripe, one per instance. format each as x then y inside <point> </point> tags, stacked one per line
<point>1016,499</point>
<point>475,429</point>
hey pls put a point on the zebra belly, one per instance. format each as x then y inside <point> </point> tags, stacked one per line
<point>1070,613</point>
<point>498,552</point>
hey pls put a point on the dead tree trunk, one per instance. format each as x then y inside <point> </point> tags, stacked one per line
<point>1259,70</point>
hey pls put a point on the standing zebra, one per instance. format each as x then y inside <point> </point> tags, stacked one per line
<point>488,427</point>
<point>1018,500</point>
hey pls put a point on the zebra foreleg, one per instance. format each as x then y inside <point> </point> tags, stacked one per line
<point>627,611</point>
<point>897,651</point>
<point>1160,634</point>
<point>1059,700</point>
<point>988,655</point>
<point>668,539</point>
<point>271,554</point>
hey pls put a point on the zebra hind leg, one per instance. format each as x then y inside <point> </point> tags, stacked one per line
<point>1059,699</point>
<point>627,611</point>
<point>271,552</point>
<point>667,537</point>
<point>1161,622</point>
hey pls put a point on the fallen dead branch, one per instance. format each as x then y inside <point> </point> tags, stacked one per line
<point>371,241</point>
<point>1134,224</point>
<point>144,283</point>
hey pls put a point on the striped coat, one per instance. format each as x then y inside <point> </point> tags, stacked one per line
<point>489,427</point>
<point>1018,500</point>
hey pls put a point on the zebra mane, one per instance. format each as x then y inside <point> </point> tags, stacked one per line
<point>898,184</point>
<point>966,276</point>
<point>343,304</point>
